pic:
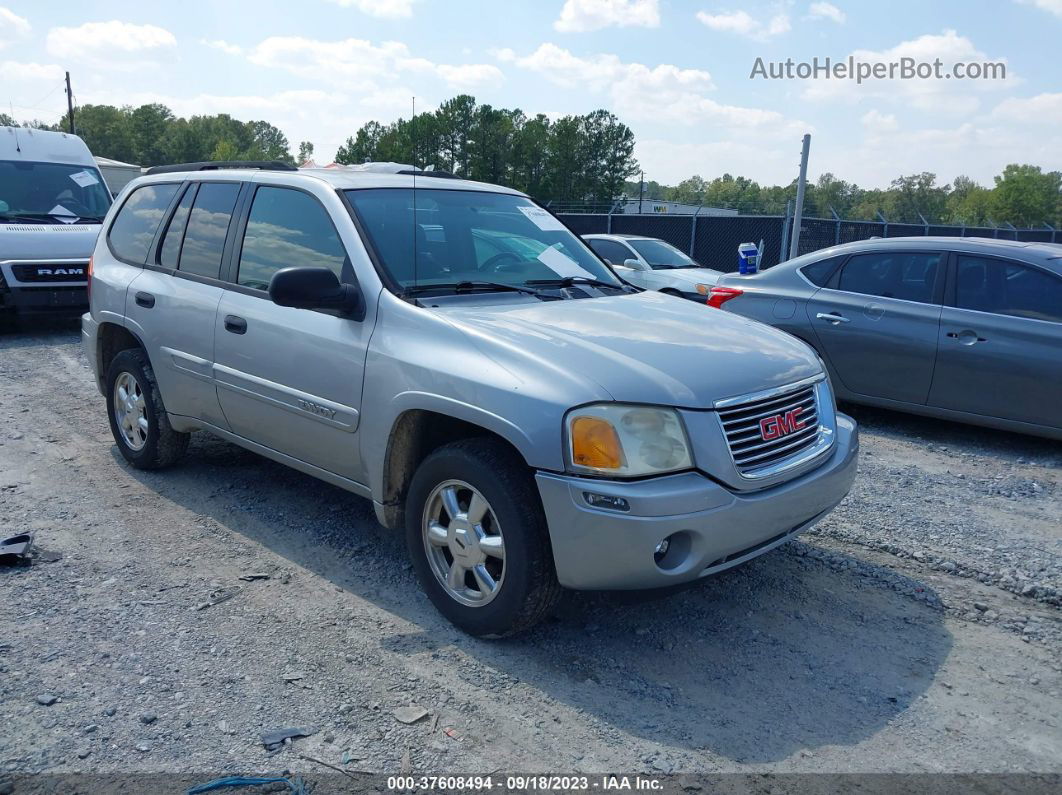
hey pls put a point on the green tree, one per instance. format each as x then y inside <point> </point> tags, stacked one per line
<point>7,121</point>
<point>1026,196</point>
<point>107,131</point>
<point>305,152</point>
<point>148,125</point>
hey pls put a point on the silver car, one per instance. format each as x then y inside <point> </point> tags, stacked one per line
<point>451,351</point>
<point>965,329</point>
<point>654,264</point>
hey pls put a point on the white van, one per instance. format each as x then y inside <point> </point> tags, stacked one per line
<point>52,201</point>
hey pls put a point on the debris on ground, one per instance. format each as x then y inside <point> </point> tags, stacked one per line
<point>295,785</point>
<point>410,714</point>
<point>258,575</point>
<point>274,738</point>
<point>15,550</point>
<point>218,596</point>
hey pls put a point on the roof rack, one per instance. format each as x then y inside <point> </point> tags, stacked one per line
<point>215,165</point>
<point>415,172</point>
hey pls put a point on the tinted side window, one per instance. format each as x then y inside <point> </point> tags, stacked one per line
<point>134,228</point>
<point>1007,288</point>
<point>610,251</point>
<point>285,229</point>
<point>208,223</point>
<point>170,251</point>
<point>818,273</point>
<point>906,275</point>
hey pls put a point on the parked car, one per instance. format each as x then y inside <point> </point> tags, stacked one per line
<point>965,329</point>
<point>52,200</point>
<point>530,421</point>
<point>654,265</point>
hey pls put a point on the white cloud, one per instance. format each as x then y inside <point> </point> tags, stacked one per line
<point>662,93</point>
<point>826,11</point>
<point>111,44</point>
<point>1039,110</point>
<point>958,96</point>
<point>578,16</point>
<point>384,9</point>
<point>1051,6</point>
<point>224,46</point>
<point>744,24</point>
<point>364,64</point>
<point>878,122</point>
<point>12,26</point>
<point>25,72</point>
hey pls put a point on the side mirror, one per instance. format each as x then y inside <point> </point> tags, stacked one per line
<point>633,264</point>
<point>315,288</point>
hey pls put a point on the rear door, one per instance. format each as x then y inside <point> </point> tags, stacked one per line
<point>877,321</point>
<point>290,379</point>
<point>175,300</point>
<point>1000,338</point>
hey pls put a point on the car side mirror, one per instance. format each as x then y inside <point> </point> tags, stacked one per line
<point>315,288</point>
<point>633,264</point>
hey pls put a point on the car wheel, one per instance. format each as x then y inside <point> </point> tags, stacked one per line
<point>138,419</point>
<point>477,536</point>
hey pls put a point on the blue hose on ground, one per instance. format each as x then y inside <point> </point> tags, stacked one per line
<point>296,785</point>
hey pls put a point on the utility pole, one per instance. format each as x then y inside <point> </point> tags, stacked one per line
<point>641,190</point>
<point>798,211</point>
<point>69,104</point>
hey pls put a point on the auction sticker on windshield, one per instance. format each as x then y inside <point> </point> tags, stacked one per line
<point>84,178</point>
<point>542,219</point>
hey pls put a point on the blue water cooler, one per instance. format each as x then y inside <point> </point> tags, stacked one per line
<point>748,258</point>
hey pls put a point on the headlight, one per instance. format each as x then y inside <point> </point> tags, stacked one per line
<point>627,441</point>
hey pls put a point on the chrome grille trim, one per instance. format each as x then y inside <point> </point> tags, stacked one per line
<point>756,458</point>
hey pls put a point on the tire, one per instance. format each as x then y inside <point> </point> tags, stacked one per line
<point>527,588</point>
<point>160,446</point>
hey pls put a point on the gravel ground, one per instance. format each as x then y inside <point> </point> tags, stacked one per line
<point>917,629</point>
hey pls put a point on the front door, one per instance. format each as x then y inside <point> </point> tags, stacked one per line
<point>1000,339</point>
<point>290,379</point>
<point>877,320</point>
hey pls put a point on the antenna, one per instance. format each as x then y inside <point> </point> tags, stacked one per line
<point>413,144</point>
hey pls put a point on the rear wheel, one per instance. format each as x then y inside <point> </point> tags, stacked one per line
<point>138,419</point>
<point>477,536</point>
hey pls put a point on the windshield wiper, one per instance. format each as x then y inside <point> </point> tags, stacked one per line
<point>570,281</point>
<point>49,216</point>
<point>467,286</point>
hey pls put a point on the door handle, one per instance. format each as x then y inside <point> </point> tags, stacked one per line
<point>966,337</point>
<point>235,324</point>
<point>146,300</point>
<point>832,317</point>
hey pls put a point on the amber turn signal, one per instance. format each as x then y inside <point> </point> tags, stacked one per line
<point>595,444</point>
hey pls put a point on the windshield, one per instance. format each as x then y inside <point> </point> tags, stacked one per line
<point>661,255</point>
<point>57,192</point>
<point>471,236</point>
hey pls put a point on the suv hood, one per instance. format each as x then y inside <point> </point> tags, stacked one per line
<point>47,241</point>
<point>643,348</point>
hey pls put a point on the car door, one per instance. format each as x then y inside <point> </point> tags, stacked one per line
<point>877,321</point>
<point>173,301</point>
<point>290,379</point>
<point>999,341</point>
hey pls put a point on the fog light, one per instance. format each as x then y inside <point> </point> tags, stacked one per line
<point>661,550</point>
<point>606,501</point>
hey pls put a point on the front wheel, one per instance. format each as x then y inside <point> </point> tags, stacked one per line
<point>477,536</point>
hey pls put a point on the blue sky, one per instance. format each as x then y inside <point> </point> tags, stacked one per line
<point>676,71</point>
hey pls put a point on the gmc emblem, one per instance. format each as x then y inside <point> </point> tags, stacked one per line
<point>781,424</point>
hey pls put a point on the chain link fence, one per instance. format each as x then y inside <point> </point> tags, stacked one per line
<point>713,240</point>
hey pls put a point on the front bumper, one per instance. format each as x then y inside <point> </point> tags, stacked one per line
<point>711,528</point>
<point>40,300</point>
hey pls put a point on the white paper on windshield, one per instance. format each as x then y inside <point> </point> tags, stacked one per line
<point>542,219</point>
<point>63,214</point>
<point>84,179</point>
<point>562,264</point>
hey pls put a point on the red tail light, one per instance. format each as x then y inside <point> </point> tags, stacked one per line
<point>88,280</point>
<point>720,295</point>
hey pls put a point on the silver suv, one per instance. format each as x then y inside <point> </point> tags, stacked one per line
<point>451,351</point>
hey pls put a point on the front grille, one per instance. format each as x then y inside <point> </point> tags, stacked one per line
<point>43,272</point>
<point>744,426</point>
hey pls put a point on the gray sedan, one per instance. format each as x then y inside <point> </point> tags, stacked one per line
<point>966,329</point>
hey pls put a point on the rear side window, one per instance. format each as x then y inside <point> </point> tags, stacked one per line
<point>610,251</point>
<point>137,222</point>
<point>818,273</point>
<point>909,276</point>
<point>286,229</point>
<point>1003,287</point>
<point>208,223</point>
<point>170,251</point>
